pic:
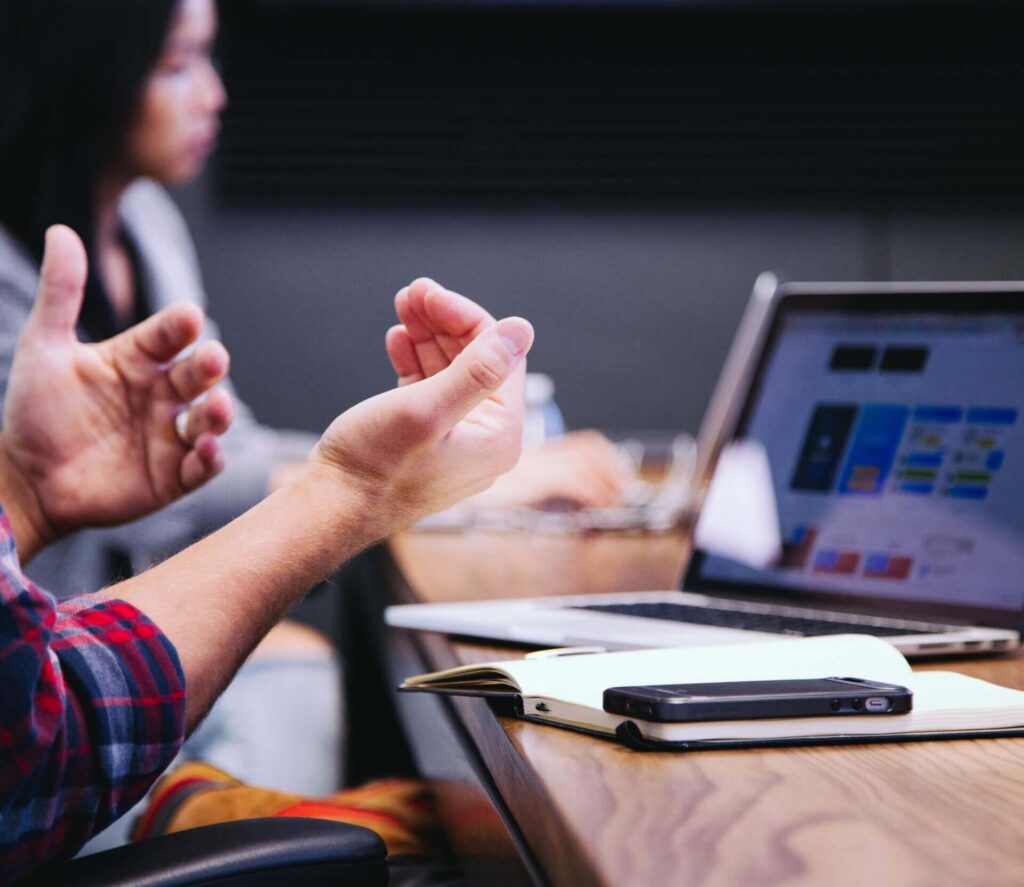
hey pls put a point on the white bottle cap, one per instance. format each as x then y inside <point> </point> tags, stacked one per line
<point>540,388</point>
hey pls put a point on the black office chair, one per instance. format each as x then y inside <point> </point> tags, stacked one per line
<point>280,852</point>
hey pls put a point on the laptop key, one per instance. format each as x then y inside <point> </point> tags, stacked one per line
<point>751,621</point>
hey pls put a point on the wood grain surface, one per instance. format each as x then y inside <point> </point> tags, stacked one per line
<point>593,812</point>
<point>477,566</point>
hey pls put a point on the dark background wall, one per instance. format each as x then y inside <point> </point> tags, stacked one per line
<point>859,145</point>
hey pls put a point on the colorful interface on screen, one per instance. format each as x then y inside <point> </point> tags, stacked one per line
<point>897,456</point>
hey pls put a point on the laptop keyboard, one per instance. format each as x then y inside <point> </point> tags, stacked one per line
<point>777,623</point>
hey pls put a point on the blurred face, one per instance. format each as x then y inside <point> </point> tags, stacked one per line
<point>175,126</point>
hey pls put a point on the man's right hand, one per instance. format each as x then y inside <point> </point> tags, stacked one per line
<point>451,428</point>
<point>91,431</point>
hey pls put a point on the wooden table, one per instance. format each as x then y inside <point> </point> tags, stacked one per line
<point>525,803</point>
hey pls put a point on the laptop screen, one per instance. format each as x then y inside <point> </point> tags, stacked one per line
<point>896,451</point>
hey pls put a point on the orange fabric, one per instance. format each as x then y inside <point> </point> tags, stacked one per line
<point>195,794</point>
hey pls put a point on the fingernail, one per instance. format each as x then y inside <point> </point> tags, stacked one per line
<point>515,335</point>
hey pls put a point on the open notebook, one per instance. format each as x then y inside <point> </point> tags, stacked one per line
<point>566,691</point>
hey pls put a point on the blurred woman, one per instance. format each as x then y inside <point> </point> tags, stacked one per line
<point>103,103</point>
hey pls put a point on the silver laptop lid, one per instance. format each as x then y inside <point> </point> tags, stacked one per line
<point>891,417</point>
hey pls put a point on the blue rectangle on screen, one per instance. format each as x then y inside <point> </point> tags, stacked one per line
<point>962,492</point>
<point>876,563</point>
<point>824,443</point>
<point>875,442</point>
<point>916,489</point>
<point>923,460</point>
<point>994,460</point>
<point>826,560</point>
<point>991,416</point>
<point>937,414</point>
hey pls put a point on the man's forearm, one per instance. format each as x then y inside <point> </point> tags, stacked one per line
<point>216,599</point>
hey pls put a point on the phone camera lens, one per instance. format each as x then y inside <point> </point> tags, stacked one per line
<point>858,704</point>
<point>836,705</point>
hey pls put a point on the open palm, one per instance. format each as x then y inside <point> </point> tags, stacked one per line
<point>94,430</point>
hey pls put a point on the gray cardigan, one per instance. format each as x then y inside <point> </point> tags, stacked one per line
<point>168,262</point>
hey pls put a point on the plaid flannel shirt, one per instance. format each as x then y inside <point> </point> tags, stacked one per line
<point>92,709</point>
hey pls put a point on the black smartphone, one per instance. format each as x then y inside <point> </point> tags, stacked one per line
<point>741,700</point>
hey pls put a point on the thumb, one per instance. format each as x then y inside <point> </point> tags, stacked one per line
<point>61,283</point>
<point>479,371</point>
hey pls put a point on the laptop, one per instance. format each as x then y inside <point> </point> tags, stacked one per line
<point>890,417</point>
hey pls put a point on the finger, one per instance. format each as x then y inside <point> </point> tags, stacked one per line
<point>457,319</point>
<point>582,494</point>
<point>214,416</point>
<point>591,451</point>
<point>588,486</point>
<point>407,315</point>
<point>440,322</point>
<point>204,461</point>
<point>605,460</point>
<point>478,373</point>
<point>162,337</point>
<point>607,491</point>
<point>61,283</point>
<point>453,320</point>
<point>435,310</point>
<point>199,372</point>
<point>451,314</point>
<point>402,353</point>
<point>431,356</point>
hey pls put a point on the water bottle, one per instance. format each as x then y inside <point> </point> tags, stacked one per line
<point>543,420</point>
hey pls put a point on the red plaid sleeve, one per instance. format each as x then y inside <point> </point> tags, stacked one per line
<point>92,709</point>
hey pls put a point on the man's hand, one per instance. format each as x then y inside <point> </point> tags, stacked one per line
<point>455,422</point>
<point>435,325</point>
<point>583,468</point>
<point>92,434</point>
<point>453,426</point>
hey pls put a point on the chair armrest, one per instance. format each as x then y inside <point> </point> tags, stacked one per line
<point>253,852</point>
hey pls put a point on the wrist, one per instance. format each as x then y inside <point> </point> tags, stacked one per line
<point>349,500</point>
<point>338,503</point>
<point>32,529</point>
